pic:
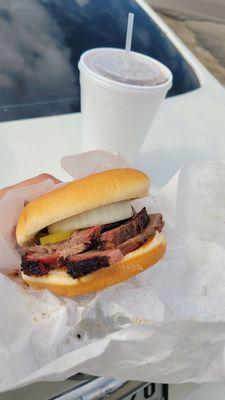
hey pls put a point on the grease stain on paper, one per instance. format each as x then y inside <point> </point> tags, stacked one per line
<point>100,325</point>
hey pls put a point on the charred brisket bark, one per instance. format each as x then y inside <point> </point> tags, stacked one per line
<point>84,267</point>
<point>83,264</point>
<point>38,266</point>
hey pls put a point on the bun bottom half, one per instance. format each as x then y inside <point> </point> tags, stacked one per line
<point>60,283</point>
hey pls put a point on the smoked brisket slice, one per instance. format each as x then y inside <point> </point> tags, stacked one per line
<point>79,241</point>
<point>86,236</point>
<point>156,224</point>
<point>112,238</point>
<point>83,264</point>
<point>34,264</point>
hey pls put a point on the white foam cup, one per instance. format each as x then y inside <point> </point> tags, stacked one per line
<point>120,95</point>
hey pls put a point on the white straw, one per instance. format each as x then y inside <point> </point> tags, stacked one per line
<point>129,31</point>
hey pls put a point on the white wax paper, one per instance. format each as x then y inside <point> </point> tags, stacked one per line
<point>164,325</point>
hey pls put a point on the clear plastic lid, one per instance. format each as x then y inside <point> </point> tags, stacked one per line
<point>125,67</point>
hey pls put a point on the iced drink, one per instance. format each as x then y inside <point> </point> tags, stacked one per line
<point>120,95</point>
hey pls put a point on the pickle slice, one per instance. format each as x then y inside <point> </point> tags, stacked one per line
<point>55,237</point>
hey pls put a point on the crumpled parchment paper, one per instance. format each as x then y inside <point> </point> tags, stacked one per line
<point>164,325</point>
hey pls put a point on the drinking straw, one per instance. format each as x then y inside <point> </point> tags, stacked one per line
<point>130,23</point>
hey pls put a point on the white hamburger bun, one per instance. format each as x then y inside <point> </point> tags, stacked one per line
<point>78,196</point>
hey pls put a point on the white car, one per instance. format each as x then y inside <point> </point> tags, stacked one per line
<point>41,42</point>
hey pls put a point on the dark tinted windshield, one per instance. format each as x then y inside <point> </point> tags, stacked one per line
<point>41,42</point>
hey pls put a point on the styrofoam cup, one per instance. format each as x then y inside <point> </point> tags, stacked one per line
<point>117,115</point>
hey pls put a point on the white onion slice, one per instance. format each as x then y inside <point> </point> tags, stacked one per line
<point>98,216</point>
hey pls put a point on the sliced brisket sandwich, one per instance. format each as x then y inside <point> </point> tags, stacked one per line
<point>85,236</point>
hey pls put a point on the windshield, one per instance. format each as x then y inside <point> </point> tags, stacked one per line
<point>41,42</point>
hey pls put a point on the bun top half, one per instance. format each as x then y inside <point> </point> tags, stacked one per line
<point>78,196</point>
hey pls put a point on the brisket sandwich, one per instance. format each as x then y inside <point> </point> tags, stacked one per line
<point>85,235</point>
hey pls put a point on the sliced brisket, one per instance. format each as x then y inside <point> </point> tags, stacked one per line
<point>83,264</point>
<point>112,238</point>
<point>156,224</point>
<point>86,236</point>
<point>77,254</point>
<point>77,243</point>
<point>34,264</point>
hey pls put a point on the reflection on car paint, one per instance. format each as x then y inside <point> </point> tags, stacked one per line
<point>41,42</point>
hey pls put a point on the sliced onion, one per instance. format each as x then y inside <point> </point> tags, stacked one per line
<point>98,216</point>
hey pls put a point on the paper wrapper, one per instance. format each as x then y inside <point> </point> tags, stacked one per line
<point>164,325</point>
